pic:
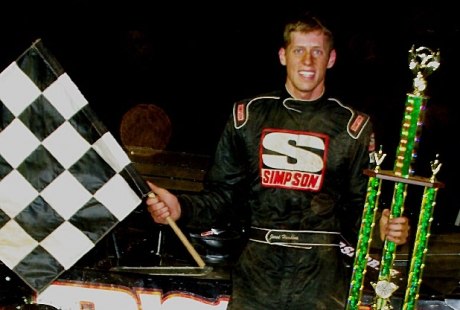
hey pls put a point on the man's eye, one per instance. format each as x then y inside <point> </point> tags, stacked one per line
<point>317,52</point>
<point>298,51</point>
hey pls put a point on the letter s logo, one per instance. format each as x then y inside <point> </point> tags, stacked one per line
<point>304,160</point>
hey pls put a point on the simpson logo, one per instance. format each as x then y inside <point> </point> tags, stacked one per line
<point>293,160</point>
<point>288,179</point>
<point>240,112</point>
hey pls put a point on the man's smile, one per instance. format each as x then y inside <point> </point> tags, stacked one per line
<point>306,73</point>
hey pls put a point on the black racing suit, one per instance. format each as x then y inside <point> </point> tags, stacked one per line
<point>299,165</point>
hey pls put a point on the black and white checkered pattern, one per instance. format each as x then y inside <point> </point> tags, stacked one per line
<point>65,182</point>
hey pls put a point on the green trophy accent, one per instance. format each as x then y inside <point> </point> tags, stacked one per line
<point>420,248</point>
<point>367,225</point>
<point>421,240</point>
<point>362,249</point>
<point>410,135</point>
<point>422,62</point>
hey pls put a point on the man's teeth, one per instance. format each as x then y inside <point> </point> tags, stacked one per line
<point>306,74</point>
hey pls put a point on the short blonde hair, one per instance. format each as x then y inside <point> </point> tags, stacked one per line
<point>307,23</point>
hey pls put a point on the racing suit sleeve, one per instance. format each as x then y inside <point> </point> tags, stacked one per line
<point>222,185</point>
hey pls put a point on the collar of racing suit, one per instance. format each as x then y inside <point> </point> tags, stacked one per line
<point>297,104</point>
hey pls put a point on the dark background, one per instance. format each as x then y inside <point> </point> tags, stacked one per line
<point>194,60</point>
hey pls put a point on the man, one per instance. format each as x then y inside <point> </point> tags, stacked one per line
<point>297,157</point>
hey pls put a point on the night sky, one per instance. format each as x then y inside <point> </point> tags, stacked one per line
<point>195,60</point>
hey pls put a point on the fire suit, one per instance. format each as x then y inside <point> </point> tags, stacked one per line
<point>299,166</point>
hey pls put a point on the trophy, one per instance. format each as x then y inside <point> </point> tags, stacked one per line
<point>422,62</point>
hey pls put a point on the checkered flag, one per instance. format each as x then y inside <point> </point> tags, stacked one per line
<point>65,182</point>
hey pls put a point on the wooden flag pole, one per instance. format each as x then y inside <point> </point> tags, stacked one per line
<point>183,238</point>
<point>149,126</point>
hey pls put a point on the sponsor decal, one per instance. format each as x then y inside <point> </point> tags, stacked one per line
<point>240,113</point>
<point>348,250</point>
<point>357,123</point>
<point>83,296</point>
<point>372,143</point>
<point>207,233</point>
<point>288,179</point>
<point>291,159</point>
<point>371,148</point>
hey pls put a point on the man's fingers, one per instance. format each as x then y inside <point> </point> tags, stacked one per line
<point>158,212</point>
<point>399,220</point>
<point>164,204</point>
<point>395,229</point>
<point>161,213</point>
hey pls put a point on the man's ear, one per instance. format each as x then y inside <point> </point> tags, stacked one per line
<point>332,58</point>
<point>282,56</point>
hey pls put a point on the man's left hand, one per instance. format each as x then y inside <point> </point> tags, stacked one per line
<point>395,229</point>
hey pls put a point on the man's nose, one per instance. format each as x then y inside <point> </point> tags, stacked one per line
<point>307,58</point>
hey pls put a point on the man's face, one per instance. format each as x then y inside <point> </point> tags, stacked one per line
<point>306,59</point>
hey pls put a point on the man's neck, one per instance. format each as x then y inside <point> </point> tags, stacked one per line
<point>306,96</point>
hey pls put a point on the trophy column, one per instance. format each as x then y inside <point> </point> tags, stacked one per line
<point>422,62</point>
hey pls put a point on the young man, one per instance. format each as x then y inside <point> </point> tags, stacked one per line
<point>297,157</point>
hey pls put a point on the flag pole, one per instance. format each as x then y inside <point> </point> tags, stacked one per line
<point>183,238</point>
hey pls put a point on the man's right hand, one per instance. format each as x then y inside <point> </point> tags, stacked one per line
<point>164,204</point>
